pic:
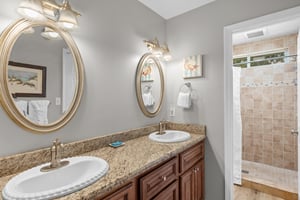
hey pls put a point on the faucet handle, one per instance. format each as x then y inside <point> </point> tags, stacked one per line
<point>56,142</point>
<point>164,123</point>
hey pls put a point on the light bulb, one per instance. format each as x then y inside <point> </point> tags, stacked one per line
<point>48,33</point>
<point>67,25</point>
<point>31,9</point>
<point>167,56</point>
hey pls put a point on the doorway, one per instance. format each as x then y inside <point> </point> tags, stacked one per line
<point>256,122</point>
<point>267,67</point>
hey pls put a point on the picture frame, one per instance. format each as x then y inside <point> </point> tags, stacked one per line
<point>26,80</point>
<point>147,72</point>
<point>192,67</point>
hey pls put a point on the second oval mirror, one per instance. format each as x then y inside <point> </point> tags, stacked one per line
<point>149,85</point>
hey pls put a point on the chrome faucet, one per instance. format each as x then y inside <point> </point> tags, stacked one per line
<point>162,128</point>
<point>56,151</point>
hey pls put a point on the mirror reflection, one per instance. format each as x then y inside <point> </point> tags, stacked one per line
<point>149,85</point>
<point>41,75</point>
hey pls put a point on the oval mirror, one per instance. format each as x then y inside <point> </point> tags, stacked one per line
<point>149,85</point>
<point>41,75</point>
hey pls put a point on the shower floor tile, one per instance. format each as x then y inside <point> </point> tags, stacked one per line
<point>283,179</point>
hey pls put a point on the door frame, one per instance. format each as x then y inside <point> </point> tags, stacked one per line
<point>228,93</point>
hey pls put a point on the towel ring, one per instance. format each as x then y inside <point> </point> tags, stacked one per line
<point>187,85</point>
<point>147,88</point>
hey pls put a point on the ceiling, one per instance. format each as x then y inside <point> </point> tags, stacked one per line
<point>172,8</point>
<point>270,31</point>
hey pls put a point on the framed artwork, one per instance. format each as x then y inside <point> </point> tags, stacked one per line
<point>26,80</point>
<point>192,67</point>
<point>147,72</point>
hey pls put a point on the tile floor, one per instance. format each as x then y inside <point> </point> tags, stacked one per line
<point>272,176</point>
<point>242,193</point>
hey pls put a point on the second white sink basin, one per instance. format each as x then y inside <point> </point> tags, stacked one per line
<point>170,136</point>
<point>34,184</point>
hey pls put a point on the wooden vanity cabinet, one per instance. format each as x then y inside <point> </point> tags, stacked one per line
<point>191,156</point>
<point>124,193</point>
<point>170,193</point>
<point>192,173</point>
<point>180,178</point>
<point>155,181</point>
<point>191,183</point>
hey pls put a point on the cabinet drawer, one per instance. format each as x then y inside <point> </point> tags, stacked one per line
<point>170,193</point>
<point>191,156</point>
<point>154,182</point>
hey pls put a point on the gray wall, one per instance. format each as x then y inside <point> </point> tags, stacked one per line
<point>201,31</point>
<point>110,39</point>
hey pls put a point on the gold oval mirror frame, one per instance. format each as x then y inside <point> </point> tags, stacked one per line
<point>139,80</point>
<point>7,40</point>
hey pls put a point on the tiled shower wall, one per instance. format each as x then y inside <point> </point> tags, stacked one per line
<point>269,106</point>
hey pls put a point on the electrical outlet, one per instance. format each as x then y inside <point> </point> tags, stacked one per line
<point>172,111</point>
<point>57,101</point>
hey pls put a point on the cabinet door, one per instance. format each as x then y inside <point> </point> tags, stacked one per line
<point>192,183</point>
<point>170,193</point>
<point>199,180</point>
<point>187,186</point>
<point>125,193</point>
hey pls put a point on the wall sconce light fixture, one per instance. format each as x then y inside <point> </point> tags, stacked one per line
<point>41,10</point>
<point>156,49</point>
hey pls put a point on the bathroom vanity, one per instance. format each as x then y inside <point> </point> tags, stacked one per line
<point>181,177</point>
<point>141,169</point>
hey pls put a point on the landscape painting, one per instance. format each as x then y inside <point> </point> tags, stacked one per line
<point>25,80</point>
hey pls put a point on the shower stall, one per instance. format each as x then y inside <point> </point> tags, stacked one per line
<point>267,89</point>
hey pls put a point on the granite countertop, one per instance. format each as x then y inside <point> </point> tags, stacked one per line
<point>126,162</point>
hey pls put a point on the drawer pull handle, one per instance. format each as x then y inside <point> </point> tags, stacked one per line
<point>164,178</point>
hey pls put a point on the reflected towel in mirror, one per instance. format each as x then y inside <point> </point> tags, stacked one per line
<point>38,111</point>
<point>148,99</point>
<point>184,100</point>
<point>22,107</point>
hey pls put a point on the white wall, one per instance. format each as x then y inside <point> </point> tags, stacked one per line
<point>201,31</point>
<point>110,39</point>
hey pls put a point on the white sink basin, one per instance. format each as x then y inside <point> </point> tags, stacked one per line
<point>170,136</point>
<point>34,184</point>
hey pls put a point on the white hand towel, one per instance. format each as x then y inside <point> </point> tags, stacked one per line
<point>184,100</point>
<point>22,107</point>
<point>151,100</point>
<point>148,99</point>
<point>38,111</point>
